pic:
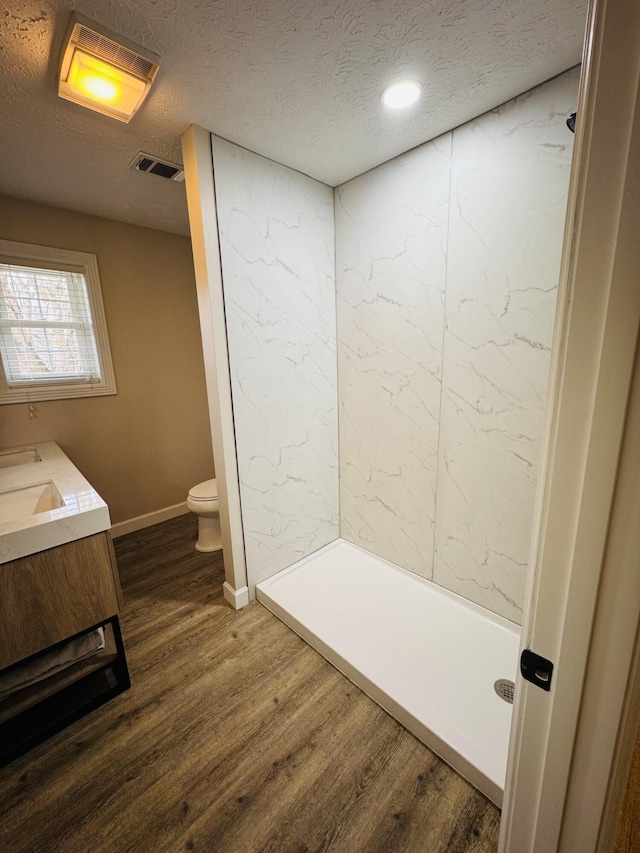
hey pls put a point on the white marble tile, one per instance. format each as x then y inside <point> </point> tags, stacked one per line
<point>391,233</point>
<point>509,189</point>
<point>277,247</point>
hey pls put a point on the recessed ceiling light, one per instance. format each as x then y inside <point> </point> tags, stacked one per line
<point>399,96</point>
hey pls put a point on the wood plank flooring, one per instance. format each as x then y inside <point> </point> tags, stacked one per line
<point>235,736</point>
<point>628,834</point>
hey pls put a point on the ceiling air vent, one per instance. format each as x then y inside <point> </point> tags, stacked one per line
<point>154,166</point>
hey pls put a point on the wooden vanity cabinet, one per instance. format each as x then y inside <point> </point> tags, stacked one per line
<point>46,599</point>
<point>52,595</point>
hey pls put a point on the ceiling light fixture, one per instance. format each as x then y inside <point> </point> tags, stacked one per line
<point>401,95</point>
<point>104,72</point>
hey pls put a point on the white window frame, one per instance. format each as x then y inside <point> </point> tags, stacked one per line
<point>87,264</point>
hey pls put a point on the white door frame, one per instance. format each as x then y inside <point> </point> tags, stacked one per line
<point>583,599</point>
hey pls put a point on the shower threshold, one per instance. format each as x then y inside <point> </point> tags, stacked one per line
<point>427,656</point>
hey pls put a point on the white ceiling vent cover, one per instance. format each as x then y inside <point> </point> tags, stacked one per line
<point>111,51</point>
<point>163,168</point>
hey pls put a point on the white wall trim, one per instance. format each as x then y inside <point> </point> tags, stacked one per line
<point>148,519</point>
<point>203,222</point>
<point>237,598</point>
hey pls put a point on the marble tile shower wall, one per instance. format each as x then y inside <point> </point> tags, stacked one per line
<point>447,262</point>
<point>276,230</point>
<point>391,241</point>
<point>510,179</point>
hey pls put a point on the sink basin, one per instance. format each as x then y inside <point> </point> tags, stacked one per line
<point>18,457</point>
<point>44,505</point>
<point>29,500</point>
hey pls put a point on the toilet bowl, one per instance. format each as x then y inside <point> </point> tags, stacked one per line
<point>203,501</point>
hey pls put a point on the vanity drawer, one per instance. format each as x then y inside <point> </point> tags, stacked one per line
<point>52,595</point>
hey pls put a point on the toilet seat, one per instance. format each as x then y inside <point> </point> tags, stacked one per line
<point>206,491</point>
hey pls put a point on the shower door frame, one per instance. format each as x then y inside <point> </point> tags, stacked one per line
<point>569,755</point>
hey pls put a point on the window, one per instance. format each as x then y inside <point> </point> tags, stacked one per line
<point>53,335</point>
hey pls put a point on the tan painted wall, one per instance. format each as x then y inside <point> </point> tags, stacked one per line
<point>143,448</point>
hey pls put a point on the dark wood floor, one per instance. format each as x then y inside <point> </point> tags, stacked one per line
<point>628,834</point>
<point>235,736</point>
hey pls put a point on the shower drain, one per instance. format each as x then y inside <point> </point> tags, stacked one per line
<point>504,688</point>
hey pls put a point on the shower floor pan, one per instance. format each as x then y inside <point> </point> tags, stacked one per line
<point>427,656</point>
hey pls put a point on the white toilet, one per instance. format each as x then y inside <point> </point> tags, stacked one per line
<point>203,500</point>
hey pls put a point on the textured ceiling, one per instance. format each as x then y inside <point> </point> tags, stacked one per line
<point>296,80</point>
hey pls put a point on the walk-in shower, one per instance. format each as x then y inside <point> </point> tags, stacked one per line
<point>388,344</point>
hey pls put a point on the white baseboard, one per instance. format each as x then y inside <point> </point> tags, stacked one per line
<point>237,598</point>
<point>149,518</point>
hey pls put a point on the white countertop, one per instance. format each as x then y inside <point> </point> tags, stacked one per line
<point>83,514</point>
